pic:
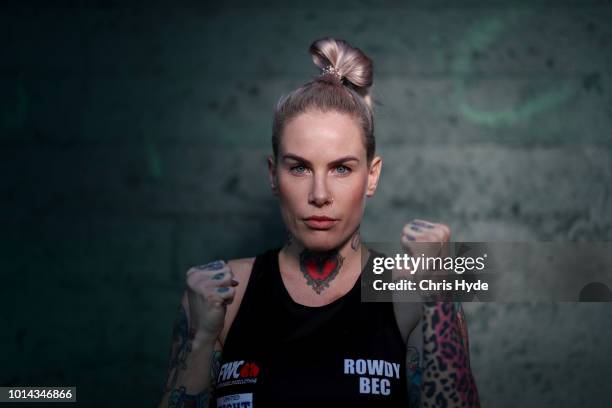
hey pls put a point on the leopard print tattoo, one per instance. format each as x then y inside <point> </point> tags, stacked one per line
<point>447,377</point>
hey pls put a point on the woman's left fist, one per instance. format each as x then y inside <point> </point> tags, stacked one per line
<point>420,237</point>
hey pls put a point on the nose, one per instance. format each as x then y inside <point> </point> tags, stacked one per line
<point>319,193</point>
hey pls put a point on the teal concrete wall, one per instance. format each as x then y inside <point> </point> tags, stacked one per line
<point>133,141</point>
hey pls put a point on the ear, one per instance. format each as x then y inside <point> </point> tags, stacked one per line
<point>374,175</point>
<point>272,174</point>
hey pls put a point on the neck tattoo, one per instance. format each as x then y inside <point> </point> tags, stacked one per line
<point>320,268</point>
<point>356,241</point>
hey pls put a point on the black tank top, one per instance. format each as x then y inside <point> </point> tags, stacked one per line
<point>279,353</point>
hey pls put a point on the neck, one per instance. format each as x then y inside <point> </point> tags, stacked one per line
<point>320,269</point>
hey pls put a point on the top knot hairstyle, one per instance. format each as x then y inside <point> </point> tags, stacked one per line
<point>343,85</point>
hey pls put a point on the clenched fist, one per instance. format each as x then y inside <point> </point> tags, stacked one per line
<point>427,238</point>
<point>210,288</point>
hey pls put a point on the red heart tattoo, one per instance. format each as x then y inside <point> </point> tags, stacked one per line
<point>320,268</point>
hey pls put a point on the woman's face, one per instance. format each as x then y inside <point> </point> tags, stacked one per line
<point>322,178</point>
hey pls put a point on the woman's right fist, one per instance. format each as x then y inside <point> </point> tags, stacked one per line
<point>210,288</point>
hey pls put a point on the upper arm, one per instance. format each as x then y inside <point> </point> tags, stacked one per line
<point>409,316</point>
<point>414,364</point>
<point>463,331</point>
<point>241,269</point>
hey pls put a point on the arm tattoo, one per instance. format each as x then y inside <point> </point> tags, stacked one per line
<point>180,349</point>
<point>447,377</point>
<point>463,336</point>
<point>215,367</point>
<point>320,268</point>
<point>182,338</point>
<point>414,367</point>
<point>180,399</point>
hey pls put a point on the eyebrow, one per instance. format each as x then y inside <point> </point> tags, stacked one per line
<point>290,156</point>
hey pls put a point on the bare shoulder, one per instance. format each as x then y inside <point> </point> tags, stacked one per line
<point>241,269</point>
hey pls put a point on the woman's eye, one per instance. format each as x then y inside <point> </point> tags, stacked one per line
<point>298,169</point>
<point>342,170</point>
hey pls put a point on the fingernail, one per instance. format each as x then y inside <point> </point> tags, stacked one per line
<point>218,276</point>
<point>410,237</point>
<point>223,289</point>
<point>212,266</point>
<point>412,227</point>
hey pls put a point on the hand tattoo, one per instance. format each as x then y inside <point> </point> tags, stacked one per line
<point>320,268</point>
<point>211,266</point>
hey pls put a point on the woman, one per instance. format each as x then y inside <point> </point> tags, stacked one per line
<point>287,328</point>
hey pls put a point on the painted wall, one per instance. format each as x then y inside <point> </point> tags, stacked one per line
<point>133,142</point>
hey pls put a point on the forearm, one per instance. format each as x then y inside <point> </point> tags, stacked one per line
<point>190,374</point>
<point>189,381</point>
<point>447,376</point>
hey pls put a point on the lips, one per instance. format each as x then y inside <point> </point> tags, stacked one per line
<point>320,222</point>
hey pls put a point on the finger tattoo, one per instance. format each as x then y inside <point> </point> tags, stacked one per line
<point>211,266</point>
<point>422,224</point>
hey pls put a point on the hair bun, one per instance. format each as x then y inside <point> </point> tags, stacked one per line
<point>347,62</point>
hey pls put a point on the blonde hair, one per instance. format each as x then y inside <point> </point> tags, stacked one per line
<point>344,85</point>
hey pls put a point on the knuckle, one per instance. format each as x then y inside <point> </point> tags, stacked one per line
<point>191,282</point>
<point>429,237</point>
<point>217,277</point>
<point>214,266</point>
<point>225,291</point>
<point>190,271</point>
<point>407,239</point>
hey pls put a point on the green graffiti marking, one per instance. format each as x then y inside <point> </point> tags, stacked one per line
<point>477,40</point>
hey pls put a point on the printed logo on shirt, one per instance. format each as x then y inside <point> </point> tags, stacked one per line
<point>235,401</point>
<point>237,372</point>
<point>374,375</point>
